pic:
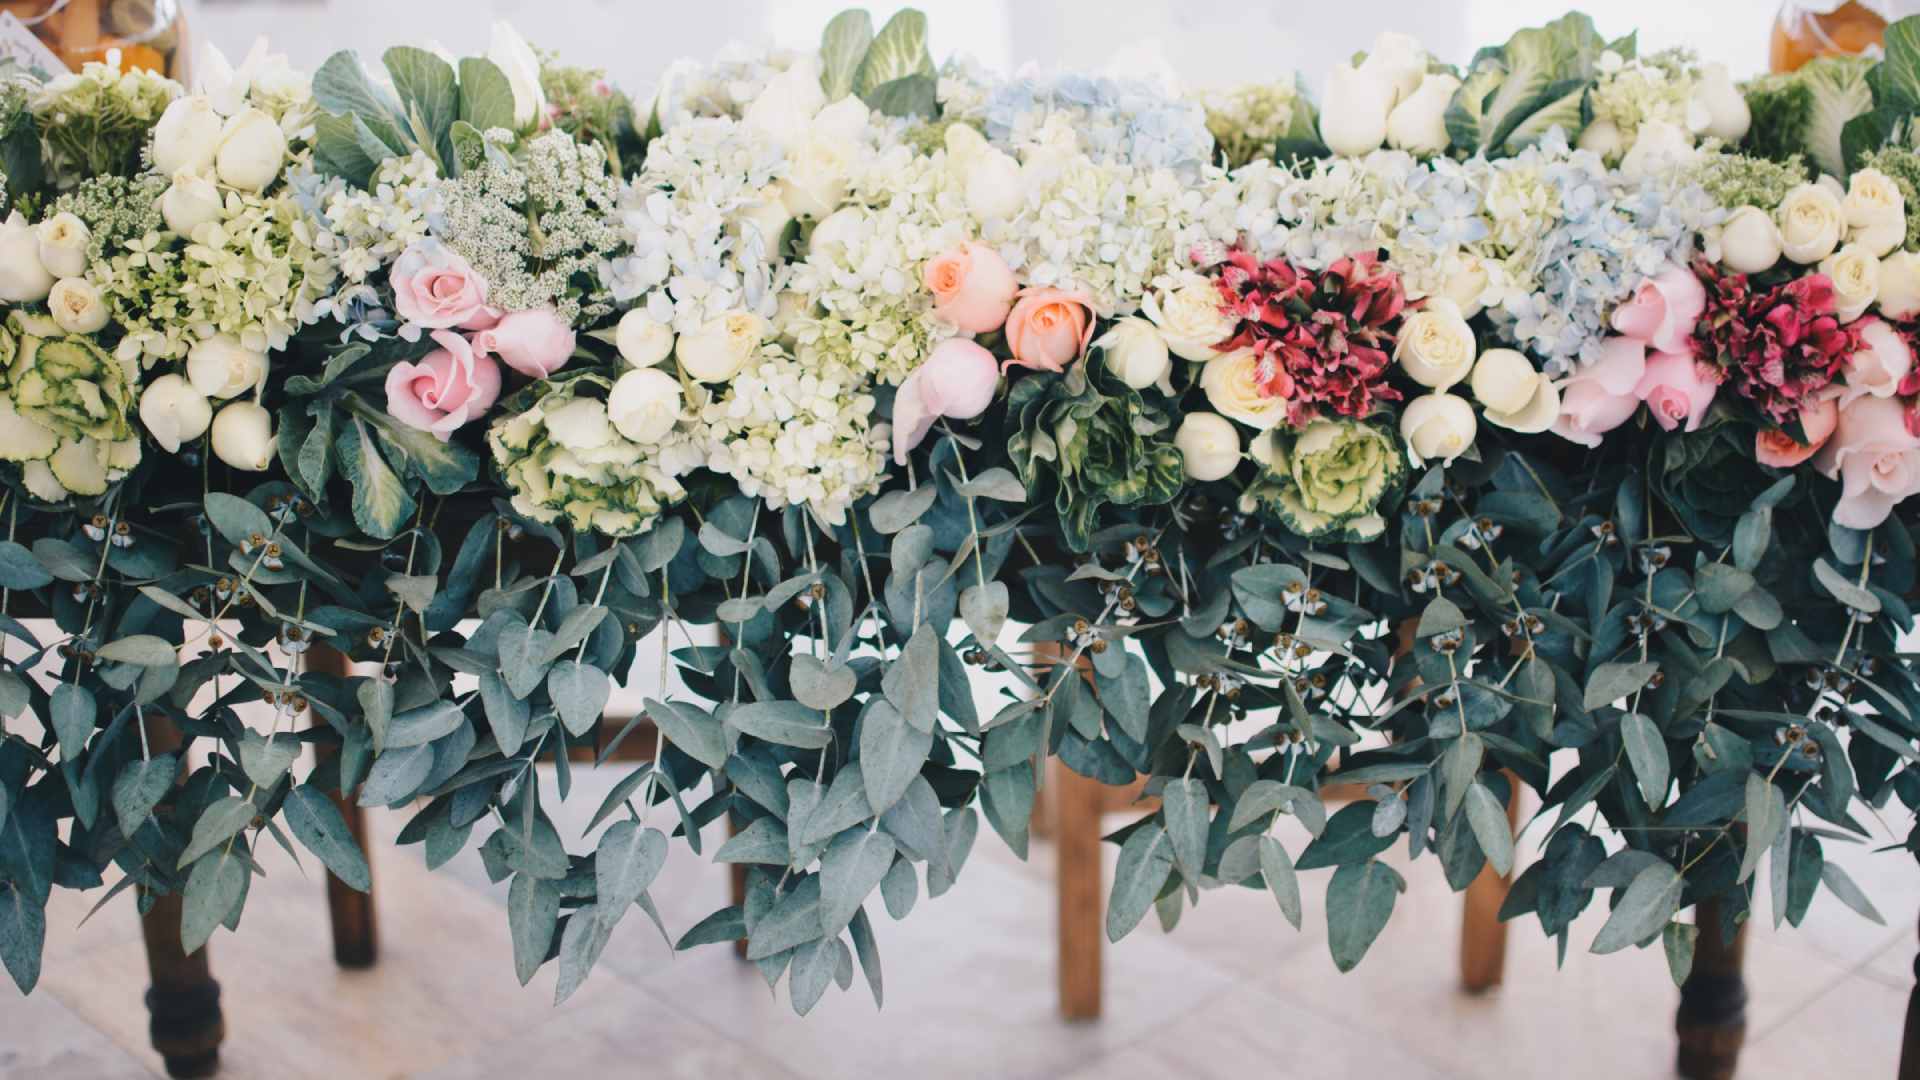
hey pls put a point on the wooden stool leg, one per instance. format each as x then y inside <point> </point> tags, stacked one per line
<point>1910,1043</point>
<point>1483,937</point>
<point>184,1001</point>
<point>1712,1022</point>
<point>355,939</point>
<point>1076,804</point>
<point>737,889</point>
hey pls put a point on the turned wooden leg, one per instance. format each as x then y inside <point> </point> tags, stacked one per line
<point>1483,937</point>
<point>355,939</point>
<point>1712,1022</point>
<point>1910,1042</point>
<point>184,1001</point>
<point>1076,804</point>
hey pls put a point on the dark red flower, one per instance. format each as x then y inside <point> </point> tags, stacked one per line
<point>1778,346</point>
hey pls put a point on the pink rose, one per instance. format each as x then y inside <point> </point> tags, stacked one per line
<point>1782,451</point>
<point>535,343</point>
<point>958,381</point>
<point>1876,459</point>
<point>1049,328</point>
<point>1677,389</point>
<point>972,287</point>
<point>434,287</point>
<point>1879,365</point>
<point>1600,396</point>
<point>445,389</point>
<point>1663,310</point>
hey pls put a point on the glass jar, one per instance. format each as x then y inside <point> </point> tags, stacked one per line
<point>150,34</point>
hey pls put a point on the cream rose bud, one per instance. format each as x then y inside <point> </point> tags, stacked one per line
<point>1465,284</point>
<point>23,278</point>
<point>1438,427</point>
<point>76,306</point>
<point>187,136</point>
<point>718,350</point>
<point>190,202</point>
<point>994,187</point>
<point>1811,222</point>
<point>1232,385</point>
<point>817,172</point>
<point>221,367</point>
<point>644,404</point>
<point>174,412</point>
<point>1209,446</point>
<point>1749,241</point>
<point>1728,117</point>
<point>1135,352</point>
<point>1876,212</point>
<point>836,231</point>
<point>1189,317</point>
<point>767,217</point>
<point>1899,294</point>
<point>1603,137</point>
<point>252,149</point>
<point>643,341</point>
<point>518,62</point>
<point>1658,146</point>
<point>243,436</point>
<point>63,245</point>
<point>1516,396</point>
<point>1436,346</point>
<point>1418,124</point>
<point>785,108</point>
<point>1353,111</point>
<point>1855,273</point>
<point>1398,60</point>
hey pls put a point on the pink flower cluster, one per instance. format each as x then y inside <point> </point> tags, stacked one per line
<point>1652,362</point>
<point>435,289</point>
<point>1782,346</point>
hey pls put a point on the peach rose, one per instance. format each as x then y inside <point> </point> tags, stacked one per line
<point>1678,389</point>
<point>436,288</point>
<point>1049,328</point>
<point>972,287</point>
<point>1663,310</point>
<point>1781,451</point>
<point>448,387</point>
<point>1875,458</point>
<point>1600,396</point>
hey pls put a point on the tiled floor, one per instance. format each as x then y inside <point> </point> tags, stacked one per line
<point>969,986</point>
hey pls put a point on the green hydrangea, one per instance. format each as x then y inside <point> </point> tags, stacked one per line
<point>97,121</point>
<point>66,410</point>
<point>1735,180</point>
<point>557,450</point>
<point>1330,480</point>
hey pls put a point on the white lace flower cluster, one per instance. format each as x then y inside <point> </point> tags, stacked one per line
<point>364,231</point>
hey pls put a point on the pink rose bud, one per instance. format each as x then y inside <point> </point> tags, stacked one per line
<point>1783,451</point>
<point>1600,396</point>
<point>1875,458</point>
<point>1049,328</point>
<point>972,287</point>
<point>434,287</point>
<point>1663,310</point>
<point>958,379</point>
<point>445,389</point>
<point>535,343</point>
<point>1678,389</point>
<point>911,417</point>
<point>1880,365</point>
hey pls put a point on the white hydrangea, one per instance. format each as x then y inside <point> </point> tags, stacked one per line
<point>692,90</point>
<point>1659,88</point>
<point>365,231</point>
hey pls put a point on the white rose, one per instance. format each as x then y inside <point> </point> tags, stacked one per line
<point>1855,273</point>
<point>716,351</point>
<point>1436,346</point>
<point>252,149</point>
<point>836,231</point>
<point>843,121</point>
<point>1658,147</point>
<point>221,367</point>
<point>1603,137</point>
<point>1232,388</point>
<point>1876,212</point>
<point>1811,222</point>
<point>1728,117</point>
<point>174,412</point>
<point>190,202</point>
<point>1189,317</point>
<point>785,108</point>
<point>1437,427</point>
<point>516,60</point>
<point>187,136</point>
<point>23,278</point>
<point>1397,60</point>
<point>63,245</point>
<point>1209,446</point>
<point>995,190</point>
<point>580,424</point>
<point>1749,241</point>
<point>789,308</point>
<point>642,340</point>
<point>645,404</point>
<point>817,172</point>
<point>1516,396</point>
<point>1353,111</point>
<point>1465,284</point>
<point>1899,295</point>
<point>767,216</point>
<point>76,306</point>
<point>1418,124</point>
<point>243,436</point>
<point>1136,353</point>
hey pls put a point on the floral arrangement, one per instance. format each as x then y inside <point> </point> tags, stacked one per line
<point>1551,421</point>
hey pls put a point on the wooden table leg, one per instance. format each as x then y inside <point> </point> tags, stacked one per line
<point>355,938</point>
<point>1483,937</point>
<point>1077,803</point>
<point>1712,1022</point>
<point>184,1001</point>
<point>1910,1043</point>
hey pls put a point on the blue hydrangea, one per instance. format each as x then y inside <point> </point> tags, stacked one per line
<point>1119,121</point>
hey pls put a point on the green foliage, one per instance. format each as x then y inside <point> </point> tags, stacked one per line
<point>1512,95</point>
<point>1091,441</point>
<point>360,123</point>
<point>1805,113</point>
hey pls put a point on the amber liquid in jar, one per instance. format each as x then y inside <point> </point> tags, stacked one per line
<point>1802,32</point>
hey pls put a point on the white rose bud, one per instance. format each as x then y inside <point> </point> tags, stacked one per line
<point>1749,241</point>
<point>642,340</point>
<point>767,216</point>
<point>221,367</point>
<point>817,172</point>
<point>187,136</point>
<point>1438,427</point>
<point>1899,293</point>
<point>243,436</point>
<point>1603,137</point>
<point>63,245</point>
<point>23,279</point>
<point>718,350</point>
<point>1465,284</point>
<point>1855,273</point>
<point>174,412</point>
<point>1728,117</point>
<point>831,236</point>
<point>785,108</point>
<point>1516,396</point>
<point>1876,212</point>
<point>1811,222</point>
<point>515,59</point>
<point>252,149</point>
<point>1189,317</point>
<point>1209,446</point>
<point>1397,60</point>
<point>1418,124</point>
<point>1436,346</point>
<point>1353,111</point>
<point>995,190</point>
<point>1658,146</point>
<point>645,404</point>
<point>190,202</point>
<point>76,306</point>
<point>1135,352</point>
